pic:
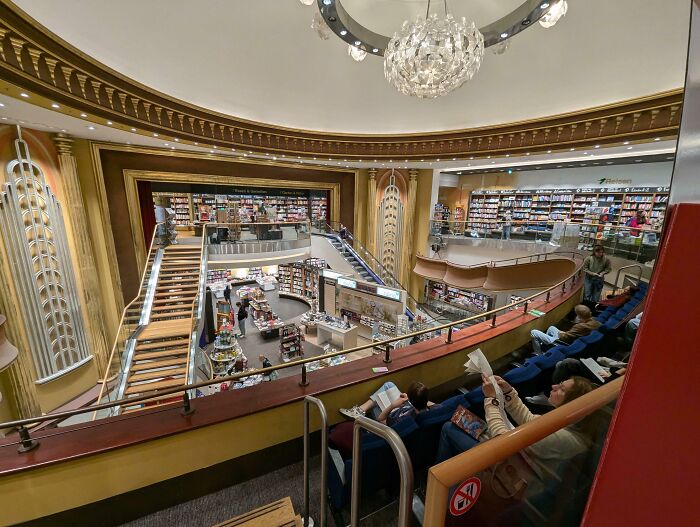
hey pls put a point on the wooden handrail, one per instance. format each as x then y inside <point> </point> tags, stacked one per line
<point>455,470</point>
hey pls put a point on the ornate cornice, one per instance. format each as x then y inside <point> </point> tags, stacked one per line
<point>33,58</point>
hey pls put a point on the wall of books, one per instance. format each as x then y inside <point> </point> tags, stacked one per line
<point>292,205</point>
<point>469,300</point>
<point>301,279</point>
<point>582,205</point>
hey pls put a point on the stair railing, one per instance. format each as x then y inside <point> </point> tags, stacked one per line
<point>402,458</point>
<point>324,455</point>
<point>126,328</point>
<point>198,309</point>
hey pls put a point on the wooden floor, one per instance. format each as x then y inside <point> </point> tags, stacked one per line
<point>162,348</point>
<point>276,514</point>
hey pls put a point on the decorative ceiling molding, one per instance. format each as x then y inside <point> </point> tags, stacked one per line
<point>35,59</point>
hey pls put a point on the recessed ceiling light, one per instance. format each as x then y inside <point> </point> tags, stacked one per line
<point>166,144</point>
<point>327,2</point>
<point>357,43</point>
<point>571,149</point>
<point>54,105</point>
<point>375,50</point>
<point>4,118</point>
<point>596,146</point>
<point>637,160</point>
<point>245,155</point>
<point>549,151</point>
<point>585,153</point>
<point>91,127</point>
<point>109,123</point>
<point>177,140</point>
<point>657,139</point>
<point>343,32</point>
<point>472,157</point>
<point>629,148</point>
<point>626,143</point>
<point>493,162</point>
<point>25,95</point>
<point>544,5</point>
<point>527,154</point>
<point>504,34</point>
<point>172,148</point>
<point>507,155</point>
<point>488,157</point>
<point>63,129</point>
<point>558,166</point>
<point>155,135</point>
<point>133,129</point>
<point>2,105</point>
<point>454,159</point>
<point>128,142</point>
<point>314,159</point>
<point>83,115</point>
<point>215,147</point>
<point>274,158</point>
<point>609,163</point>
<point>211,151</point>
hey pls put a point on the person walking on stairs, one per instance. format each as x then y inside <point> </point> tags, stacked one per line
<point>242,315</point>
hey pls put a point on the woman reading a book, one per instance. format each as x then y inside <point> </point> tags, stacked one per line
<point>563,444</point>
<point>388,405</point>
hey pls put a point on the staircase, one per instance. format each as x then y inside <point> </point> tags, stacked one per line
<point>352,259</point>
<point>161,351</point>
<point>277,514</point>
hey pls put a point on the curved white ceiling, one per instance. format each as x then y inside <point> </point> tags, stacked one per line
<point>260,60</point>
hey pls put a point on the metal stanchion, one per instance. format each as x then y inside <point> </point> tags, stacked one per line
<point>493,321</point>
<point>186,406</point>
<point>387,354</point>
<point>304,381</point>
<point>27,442</point>
<point>449,336</point>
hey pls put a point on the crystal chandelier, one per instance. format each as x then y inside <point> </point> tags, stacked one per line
<point>556,11</point>
<point>319,25</point>
<point>356,53</point>
<point>307,2</point>
<point>433,56</point>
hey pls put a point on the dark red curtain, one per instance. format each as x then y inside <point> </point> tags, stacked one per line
<point>148,212</point>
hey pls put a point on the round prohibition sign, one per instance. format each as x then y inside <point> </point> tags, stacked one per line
<point>465,496</point>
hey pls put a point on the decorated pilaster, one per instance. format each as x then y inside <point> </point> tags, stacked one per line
<point>407,249</point>
<point>372,212</point>
<point>82,253</point>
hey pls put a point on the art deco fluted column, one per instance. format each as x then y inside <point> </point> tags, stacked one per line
<point>372,212</point>
<point>81,249</point>
<point>409,217</point>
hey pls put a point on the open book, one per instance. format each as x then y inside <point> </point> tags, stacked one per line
<point>386,396</point>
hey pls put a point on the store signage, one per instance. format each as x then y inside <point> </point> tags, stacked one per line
<point>612,181</point>
<point>327,273</point>
<point>352,284</point>
<point>389,293</point>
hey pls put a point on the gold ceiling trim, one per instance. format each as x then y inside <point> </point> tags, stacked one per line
<point>35,59</point>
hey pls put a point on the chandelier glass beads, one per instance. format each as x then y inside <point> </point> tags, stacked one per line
<point>431,57</point>
<point>554,13</point>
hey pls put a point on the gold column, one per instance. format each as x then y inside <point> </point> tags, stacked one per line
<point>372,212</point>
<point>82,253</point>
<point>409,219</point>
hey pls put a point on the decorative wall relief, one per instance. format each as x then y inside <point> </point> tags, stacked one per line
<point>390,221</point>
<point>34,237</point>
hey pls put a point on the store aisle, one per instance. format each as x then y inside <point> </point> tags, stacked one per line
<point>254,344</point>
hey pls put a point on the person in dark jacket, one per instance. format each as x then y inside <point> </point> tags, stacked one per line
<point>227,294</point>
<point>585,323</point>
<point>241,316</point>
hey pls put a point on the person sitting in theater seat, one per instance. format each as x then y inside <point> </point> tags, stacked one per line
<point>584,324</point>
<point>618,300</point>
<point>387,405</point>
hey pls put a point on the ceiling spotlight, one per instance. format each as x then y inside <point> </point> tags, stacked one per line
<point>454,159</point>
<point>657,139</point>
<point>54,105</point>
<point>211,151</point>
<point>166,144</point>
<point>549,151</point>
<point>357,43</point>
<point>25,95</point>
<point>637,160</point>
<point>343,32</point>
<point>527,154</point>
<point>327,2</point>
<point>2,105</point>
<point>571,149</point>
<point>155,135</point>
<point>626,143</point>
<point>375,50</point>
<point>504,35</point>
<point>274,158</point>
<point>629,148</point>
<point>91,127</point>
<point>172,148</point>
<point>133,129</point>
<point>177,140</point>
<point>507,155</point>
<point>109,123</point>
<point>544,5</point>
<point>215,146</point>
<point>596,146</point>
<point>83,115</point>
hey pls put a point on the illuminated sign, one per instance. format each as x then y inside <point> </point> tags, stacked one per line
<point>347,283</point>
<point>331,274</point>
<point>389,293</point>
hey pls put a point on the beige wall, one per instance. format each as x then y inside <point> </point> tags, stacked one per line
<point>421,228</point>
<point>55,393</point>
<point>361,205</point>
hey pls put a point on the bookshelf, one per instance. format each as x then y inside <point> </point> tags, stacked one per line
<point>204,208</point>
<point>580,205</point>
<point>290,342</point>
<point>301,279</point>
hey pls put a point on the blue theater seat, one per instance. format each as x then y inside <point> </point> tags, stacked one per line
<point>524,379</point>
<point>574,349</point>
<point>546,362</point>
<point>430,424</point>
<point>475,398</point>
<point>593,342</point>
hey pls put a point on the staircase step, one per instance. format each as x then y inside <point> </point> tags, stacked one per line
<point>187,313</point>
<point>276,514</point>
<point>158,309</point>
<point>176,268</point>
<point>143,365</point>
<point>165,329</point>
<point>152,386</point>
<point>178,281</point>
<point>155,355</point>
<point>157,374</point>
<point>166,344</point>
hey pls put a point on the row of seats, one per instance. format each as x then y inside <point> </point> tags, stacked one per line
<point>422,434</point>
